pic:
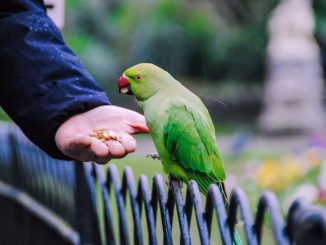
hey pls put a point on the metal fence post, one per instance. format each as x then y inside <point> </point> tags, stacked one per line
<point>86,209</point>
<point>306,224</point>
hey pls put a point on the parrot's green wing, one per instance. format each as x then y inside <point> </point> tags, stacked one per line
<point>189,138</point>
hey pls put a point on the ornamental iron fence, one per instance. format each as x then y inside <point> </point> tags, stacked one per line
<point>47,201</point>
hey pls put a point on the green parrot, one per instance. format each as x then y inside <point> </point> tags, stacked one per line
<point>180,125</point>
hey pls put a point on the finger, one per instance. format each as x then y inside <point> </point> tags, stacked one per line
<point>83,140</point>
<point>85,148</point>
<point>138,124</point>
<point>115,148</point>
<point>99,148</point>
<point>97,152</point>
<point>128,143</point>
<point>102,160</point>
<point>76,145</point>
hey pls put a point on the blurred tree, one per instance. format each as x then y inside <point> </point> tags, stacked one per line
<point>93,38</point>
<point>211,40</point>
<point>320,30</point>
<point>239,53</point>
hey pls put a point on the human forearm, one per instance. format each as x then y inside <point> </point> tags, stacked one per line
<point>42,82</point>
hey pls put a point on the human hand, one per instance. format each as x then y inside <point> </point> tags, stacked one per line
<point>73,139</point>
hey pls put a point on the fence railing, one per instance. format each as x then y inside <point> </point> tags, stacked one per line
<point>45,201</point>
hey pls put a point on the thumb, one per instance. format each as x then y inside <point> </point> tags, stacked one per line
<point>140,129</point>
<point>139,126</point>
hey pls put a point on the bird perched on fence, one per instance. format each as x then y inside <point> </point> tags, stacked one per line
<point>180,125</point>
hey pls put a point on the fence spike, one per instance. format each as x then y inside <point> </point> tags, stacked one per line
<point>175,199</point>
<point>108,220</point>
<point>129,185</point>
<point>193,192</point>
<point>269,201</point>
<point>143,195</point>
<point>113,180</point>
<point>215,202</point>
<point>239,200</point>
<point>159,196</point>
<point>306,223</point>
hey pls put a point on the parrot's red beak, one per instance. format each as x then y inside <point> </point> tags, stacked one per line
<point>124,85</point>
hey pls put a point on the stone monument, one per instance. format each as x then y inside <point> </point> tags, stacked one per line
<point>293,99</point>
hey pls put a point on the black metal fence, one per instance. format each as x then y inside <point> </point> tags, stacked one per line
<point>45,201</point>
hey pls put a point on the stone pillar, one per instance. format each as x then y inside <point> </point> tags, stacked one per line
<point>293,99</point>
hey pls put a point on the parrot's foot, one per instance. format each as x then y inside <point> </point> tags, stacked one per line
<point>171,179</point>
<point>154,156</point>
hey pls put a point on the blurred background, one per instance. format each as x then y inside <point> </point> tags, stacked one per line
<point>259,67</point>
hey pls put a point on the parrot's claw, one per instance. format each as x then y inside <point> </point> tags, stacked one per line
<point>154,156</point>
<point>171,179</point>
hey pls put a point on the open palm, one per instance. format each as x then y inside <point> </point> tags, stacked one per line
<point>73,138</point>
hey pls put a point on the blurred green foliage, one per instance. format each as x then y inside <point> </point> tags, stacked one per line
<point>201,43</point>
<point>206,40</point>
<point>320,10</point>
<point>320,17</point>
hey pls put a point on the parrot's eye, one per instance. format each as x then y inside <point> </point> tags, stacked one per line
<point>138,77</point>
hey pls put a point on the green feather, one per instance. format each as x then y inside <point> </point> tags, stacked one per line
<point>190,141</point>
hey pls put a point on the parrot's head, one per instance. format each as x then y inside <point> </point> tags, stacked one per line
<point>143,80</point>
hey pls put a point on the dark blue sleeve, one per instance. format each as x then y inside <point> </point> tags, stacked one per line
<point>42,82</point>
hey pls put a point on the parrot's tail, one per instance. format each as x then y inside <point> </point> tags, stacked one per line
<point>236,237</point>
<point>221,186</point>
